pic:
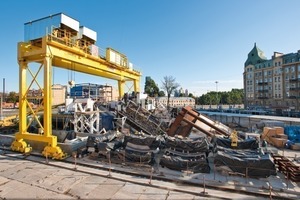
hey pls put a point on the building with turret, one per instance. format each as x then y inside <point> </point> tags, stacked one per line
<point>273,83</point>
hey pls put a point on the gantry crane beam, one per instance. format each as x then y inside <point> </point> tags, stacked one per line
<point>73,58</point>
<point>50,53</point>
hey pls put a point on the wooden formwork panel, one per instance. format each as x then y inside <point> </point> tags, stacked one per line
<point>287,167</point>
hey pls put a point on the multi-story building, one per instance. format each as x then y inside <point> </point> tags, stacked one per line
<point>272,83</point>
<point>177,102</point>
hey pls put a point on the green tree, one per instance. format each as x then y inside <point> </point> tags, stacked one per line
<point>235,96</point>
<point>151,88</point>
<point>169,85</point>
<point>191,95</point>
<point>161,93</point>
<point>12,97</point>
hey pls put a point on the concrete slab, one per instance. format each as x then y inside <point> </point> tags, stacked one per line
<point>154,194</point>
<point>84,188</point>
<point>19,190</point>
<point>129,191</point>
<point>106,190</point>
<point>179,196</point>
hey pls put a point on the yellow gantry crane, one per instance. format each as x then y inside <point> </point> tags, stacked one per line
<point>63,48</point>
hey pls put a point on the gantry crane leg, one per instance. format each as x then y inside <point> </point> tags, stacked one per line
<point>20,144</point>
<point>121,84</point>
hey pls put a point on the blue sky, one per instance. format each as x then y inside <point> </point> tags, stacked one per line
<point>196,41</point>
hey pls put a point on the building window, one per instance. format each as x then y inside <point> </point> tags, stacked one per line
<point>265,73</point>
<point>292,76</point>
<point>286,70</point>
<point>270,73</point>
<point>292,68</point>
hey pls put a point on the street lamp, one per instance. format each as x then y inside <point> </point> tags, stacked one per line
<point>217,93</point>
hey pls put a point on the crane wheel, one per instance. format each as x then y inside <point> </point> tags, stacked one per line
<point>54,152</point>
<point>20,146</point>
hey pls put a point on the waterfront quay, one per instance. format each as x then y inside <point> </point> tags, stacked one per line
<point>252,122</point>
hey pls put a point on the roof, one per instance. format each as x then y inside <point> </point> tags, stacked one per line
<point>179,98</point>
<point>255,56</point>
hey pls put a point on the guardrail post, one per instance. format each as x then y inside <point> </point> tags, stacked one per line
<point>124,156</point>
<point>47,161</point>
<point>270,190</point>
<point>246,174</point>
<point>214,171</point>
<point>187,167</point>
<point>204,192</point>
<point>151,174</point>
<point>109,161</point>
<point>74,154</point>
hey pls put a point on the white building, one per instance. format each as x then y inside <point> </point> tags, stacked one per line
<point>177,101</point>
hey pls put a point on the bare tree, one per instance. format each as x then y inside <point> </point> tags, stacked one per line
<point>169,85</point>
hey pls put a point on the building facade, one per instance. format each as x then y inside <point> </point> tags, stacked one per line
<point>177,102</point>
<point>272,83</point>
<point>101,93</point>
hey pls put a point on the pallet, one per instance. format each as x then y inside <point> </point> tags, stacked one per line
<point>287,167</point>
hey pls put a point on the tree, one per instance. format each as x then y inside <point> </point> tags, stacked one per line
<point>161,93</point>
<point>12,97</point>
<point>235,96</point>
<point>191,95</point>
<point>151,88</point>
<point>169,85</point>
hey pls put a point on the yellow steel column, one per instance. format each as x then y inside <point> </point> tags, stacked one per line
<point>22,98</point>
<point>136,85</point>
<point>47,96</point>
<point>121,84</point>
<point>19,144</point>
<point>52,150</point>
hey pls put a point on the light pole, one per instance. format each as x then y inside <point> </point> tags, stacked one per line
<point>2,99</point>
<point>217,93</point>
<point>1,111</point>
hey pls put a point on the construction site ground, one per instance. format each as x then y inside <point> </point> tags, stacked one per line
<point>35,177</point>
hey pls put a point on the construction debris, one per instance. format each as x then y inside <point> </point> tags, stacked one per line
<point>189,118</point>
<point>186,154</point>
<point>142,120</point>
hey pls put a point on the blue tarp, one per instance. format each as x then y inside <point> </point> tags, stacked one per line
<point>293,133</point>
<point>107,121</point>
